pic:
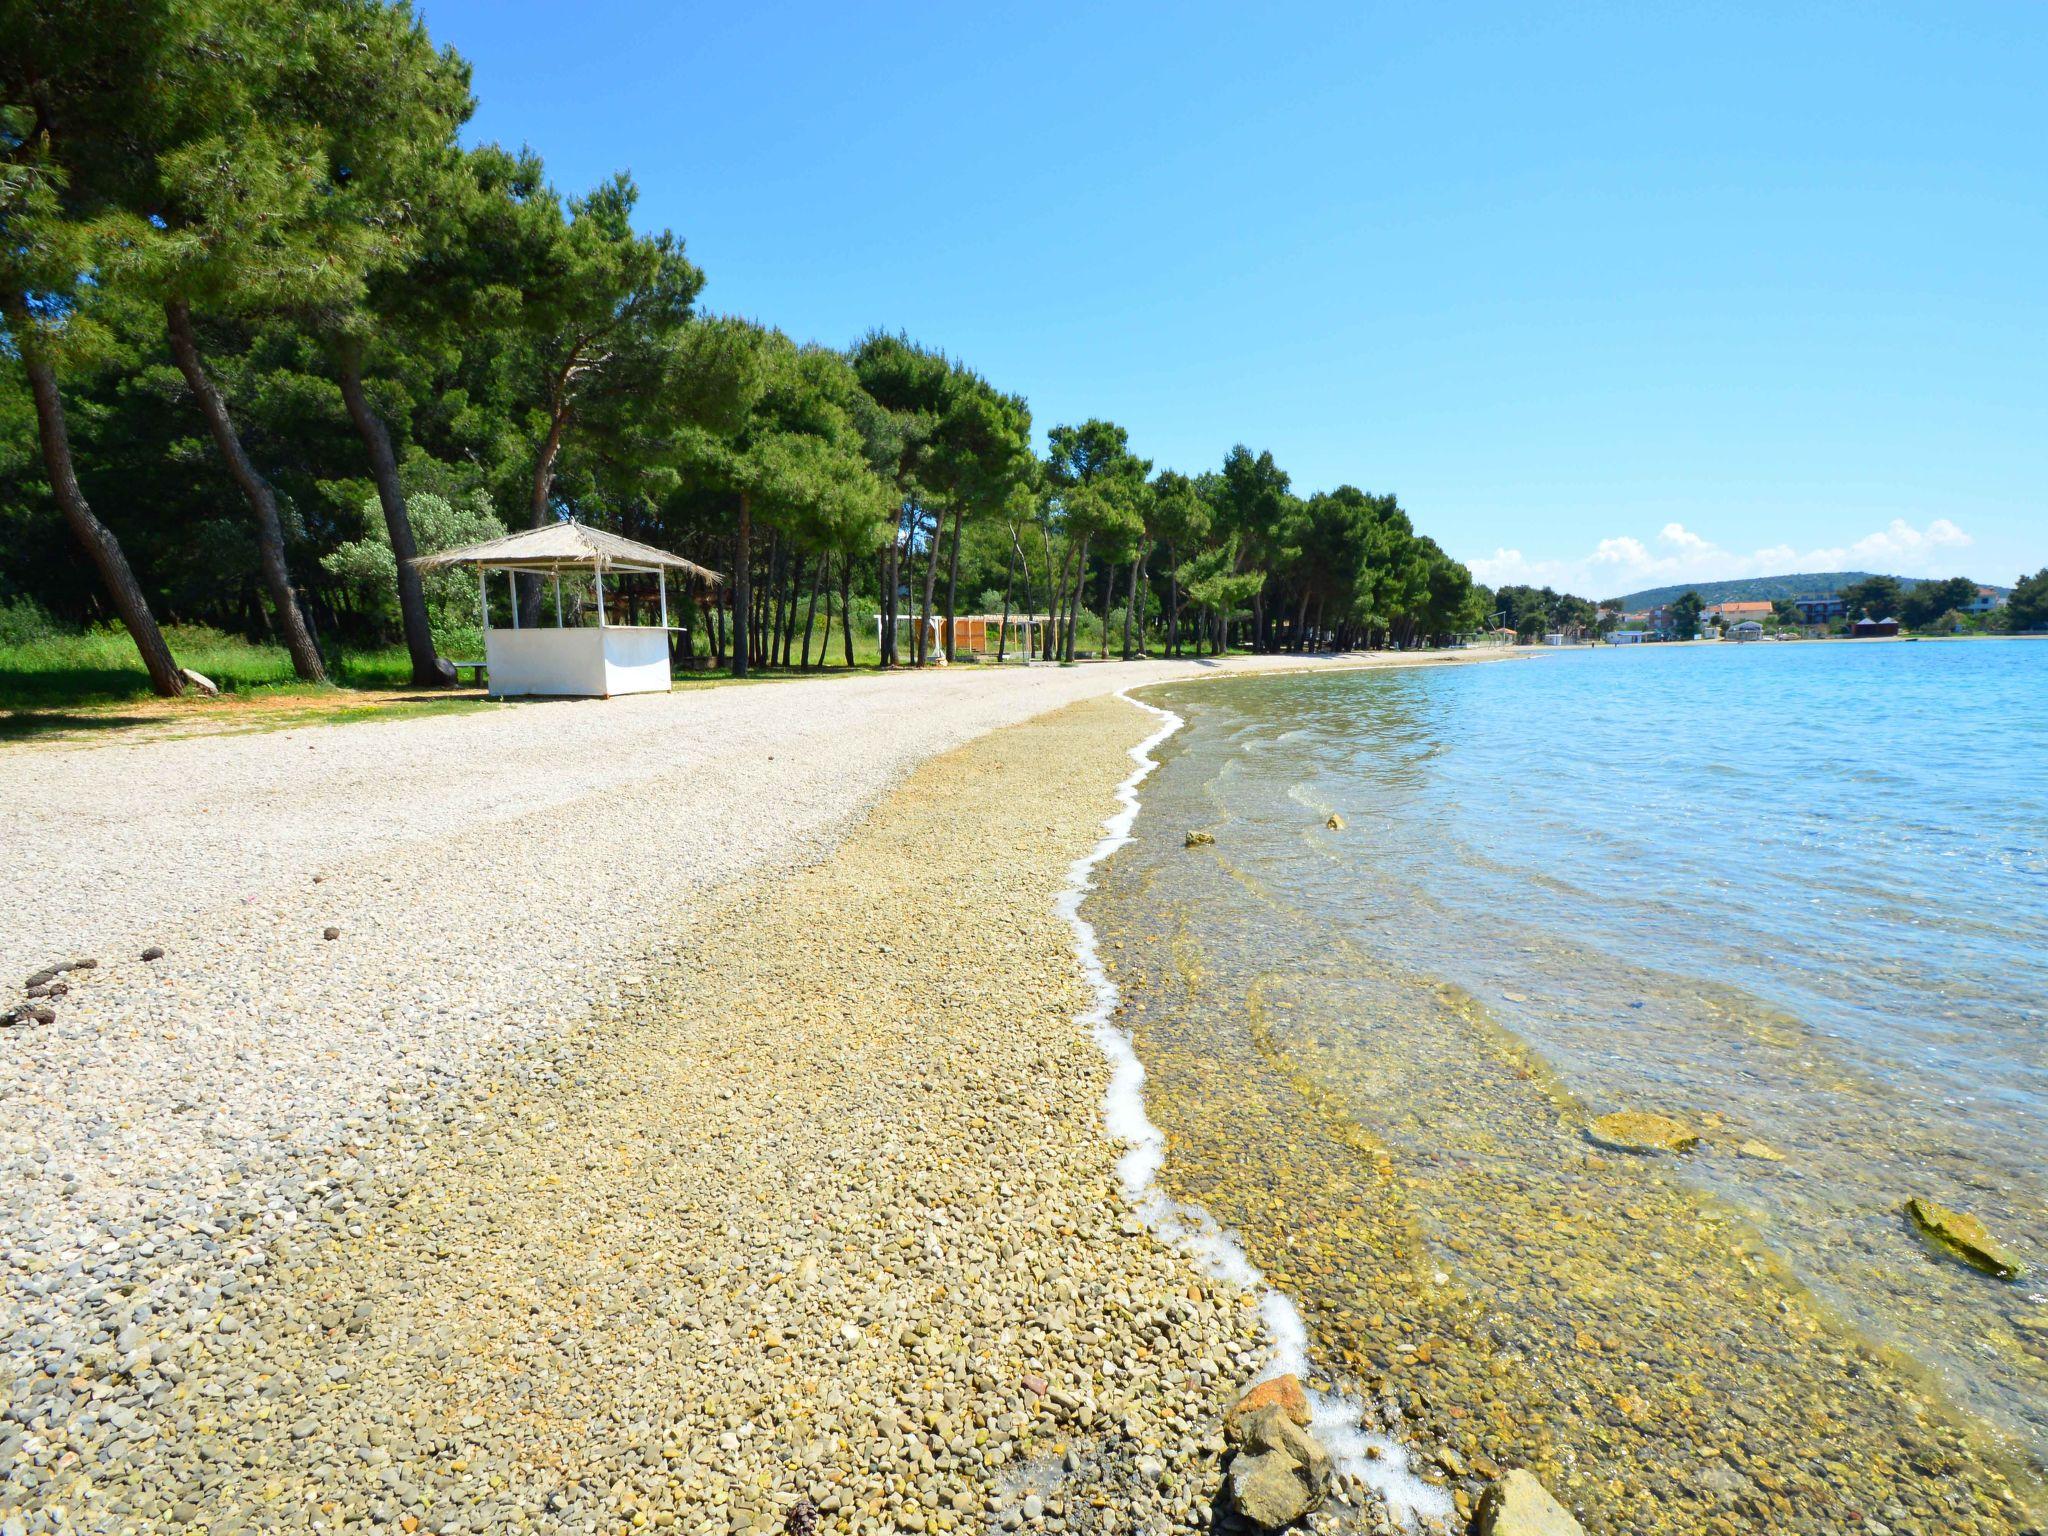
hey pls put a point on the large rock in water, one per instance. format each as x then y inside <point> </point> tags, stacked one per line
<point>1518,1505</point>
<point>1961,1235</point>
<point>1280,1474</point>
<point>1633,1130</point>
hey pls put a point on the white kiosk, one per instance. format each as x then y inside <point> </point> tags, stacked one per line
<point>583,659</point>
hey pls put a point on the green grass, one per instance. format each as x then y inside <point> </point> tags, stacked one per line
<point>101,667</point>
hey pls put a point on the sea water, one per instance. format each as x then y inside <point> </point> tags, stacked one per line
<point>1794,895</point>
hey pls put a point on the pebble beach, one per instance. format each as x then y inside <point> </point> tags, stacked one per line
<point>664,1112</point>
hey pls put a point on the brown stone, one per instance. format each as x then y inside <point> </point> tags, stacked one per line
<point>1282,1392</point>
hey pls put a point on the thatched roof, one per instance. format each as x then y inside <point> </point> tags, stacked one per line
<point>561,545</point>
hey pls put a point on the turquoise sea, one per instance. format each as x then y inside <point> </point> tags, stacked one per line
<point>1795,895</point>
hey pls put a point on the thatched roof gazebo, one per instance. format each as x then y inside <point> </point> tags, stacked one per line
<point>573,660</point>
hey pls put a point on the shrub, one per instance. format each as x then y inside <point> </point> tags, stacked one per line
<point>22,620</point>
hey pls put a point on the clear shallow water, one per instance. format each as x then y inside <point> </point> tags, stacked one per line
<point>1794,894</point>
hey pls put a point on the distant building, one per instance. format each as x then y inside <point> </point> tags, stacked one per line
<point>1627,637</point>
<point>1988,598</point>
<point>1820,610</point>
<point>1656,620</point>
<point>1737,613</point>
<point>1748,629</point>
<point>1873,629</point>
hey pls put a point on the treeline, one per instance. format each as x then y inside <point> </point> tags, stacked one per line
<point>274,331</point>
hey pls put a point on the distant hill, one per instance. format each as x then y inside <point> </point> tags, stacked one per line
<point>1750,589</point>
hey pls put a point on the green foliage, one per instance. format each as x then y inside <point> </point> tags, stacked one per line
<point>1929,604</point>
<point>366,567</point>
<point>1685,612</point>
<point>2027,608</point>
<point>296,176</point>
<point>23,622</point>
<point>1875,597</point>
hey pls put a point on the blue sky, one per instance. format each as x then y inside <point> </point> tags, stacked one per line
<point>1609,296</point>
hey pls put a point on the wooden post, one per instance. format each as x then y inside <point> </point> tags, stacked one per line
<point>512,581</point>
<point>483,600</point>
<point>558,599</point>
<point>597,575</point>
<point>661,585</point>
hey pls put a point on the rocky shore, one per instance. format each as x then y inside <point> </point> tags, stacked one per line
<point>813,1222</point>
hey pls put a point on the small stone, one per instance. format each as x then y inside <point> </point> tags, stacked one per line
<point>1763,1151</point>
<point>1034,1507</point>
<point>1634,1130</point>
<point>330,933</point>
<point>154,952</point>
<point>1199,840</point>
<point>1962,1236</point>
<point>1518,1505</point>
<point>1335,823</point>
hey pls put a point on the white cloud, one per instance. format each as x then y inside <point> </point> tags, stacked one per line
<point>1621,563</point>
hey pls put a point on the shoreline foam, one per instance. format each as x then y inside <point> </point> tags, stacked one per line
<point>1376,1460</point>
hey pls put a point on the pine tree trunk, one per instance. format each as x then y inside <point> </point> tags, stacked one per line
<point>952,587</point>
<point>1108,592</point>
<point>1073,601</point>
<point>298,640</point>
<point>1009,582</point>
<point>1052,596</point>
<point>100,544</point>
<point>778,565</point>
<point>412,598</point>
<point>1131,605</point>
<point>931,588</point>
<point>811,617</point>
<point>885,628</point>
<point>1172,604</point>
<point>846,608</point>
<point>796,592</point>
<point>742,583</point>
<point>539,503</point>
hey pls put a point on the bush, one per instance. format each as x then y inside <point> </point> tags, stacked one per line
<point>22,620</point>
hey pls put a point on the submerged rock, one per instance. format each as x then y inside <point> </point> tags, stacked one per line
<point>1763,1151</point>
<point>1962,1236</point>
<point>1199,840</point>
<point>1280,1473</point>
<point>1518,1505</point>
<point>1635,1130</point>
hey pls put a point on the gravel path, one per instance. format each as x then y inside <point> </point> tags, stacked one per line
<point>491,879</point>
